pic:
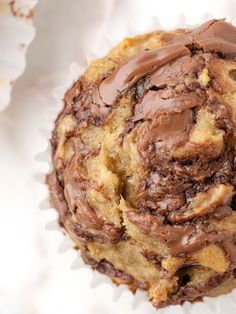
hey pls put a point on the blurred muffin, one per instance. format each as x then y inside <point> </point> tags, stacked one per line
<point>144,163</point>
<point>16,33</point>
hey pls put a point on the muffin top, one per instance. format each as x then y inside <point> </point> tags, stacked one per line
<point>144,163</point>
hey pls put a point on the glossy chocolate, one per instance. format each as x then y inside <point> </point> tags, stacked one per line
<point>166,89</point>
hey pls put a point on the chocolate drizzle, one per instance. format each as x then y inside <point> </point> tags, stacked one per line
<point>181,239</point>
<point>153,105</point>
<point>214,35</point>
<point>130,71</point>
<point>168,94</point>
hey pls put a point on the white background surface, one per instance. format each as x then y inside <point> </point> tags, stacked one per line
<point>34,277</point>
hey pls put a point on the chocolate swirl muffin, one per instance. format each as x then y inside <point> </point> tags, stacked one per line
<point>144,163</point>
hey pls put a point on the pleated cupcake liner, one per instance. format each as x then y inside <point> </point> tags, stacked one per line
<point>16,33</point>
<point>138,302</point>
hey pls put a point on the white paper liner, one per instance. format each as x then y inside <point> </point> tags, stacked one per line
<point>139,304</point>
<point>16,33</point>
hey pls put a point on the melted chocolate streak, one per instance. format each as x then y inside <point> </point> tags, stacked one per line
<point>217,36</point>
<point>173,114</point>
<point>214,36</point>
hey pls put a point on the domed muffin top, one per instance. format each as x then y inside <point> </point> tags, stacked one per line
<point>144,157</point>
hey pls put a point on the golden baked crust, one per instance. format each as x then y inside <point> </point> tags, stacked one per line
<point>144,163</point>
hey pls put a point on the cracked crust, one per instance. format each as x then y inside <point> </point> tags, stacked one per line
<point>144,163</point>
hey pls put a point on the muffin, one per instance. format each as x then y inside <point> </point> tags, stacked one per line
<point>144,163</point>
